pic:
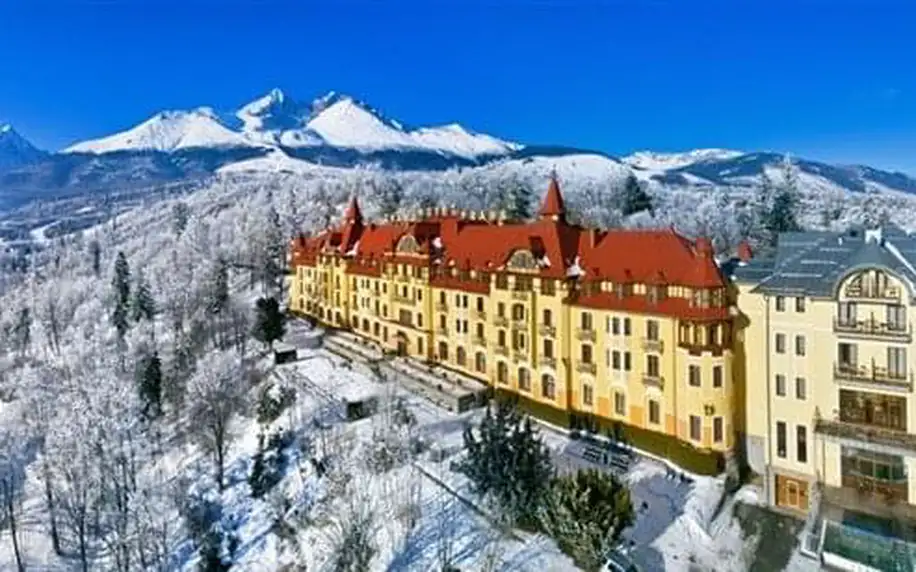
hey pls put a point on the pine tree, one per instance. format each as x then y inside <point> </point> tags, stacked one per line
<point>218,288</point>
<point>586,512</point>
<point>508,463</point>
<point>270,323</point>
<point>181,213</point>
<point>515,199</point>
<point>391,197</point>
<point>142,306</point>
<point>273,254</point>
<point>149,384</point>
<point>634,198</point>
<point>121,286</point>
<point>95,257</point>
<point>780,214</point>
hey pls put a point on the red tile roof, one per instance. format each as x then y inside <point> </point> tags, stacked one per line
<point>655,257</point>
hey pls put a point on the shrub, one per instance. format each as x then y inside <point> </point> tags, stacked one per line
<point>273,401</point>
<point>269,463</point>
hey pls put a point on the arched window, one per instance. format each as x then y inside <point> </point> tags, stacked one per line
<point>480,362</point>
<point>502,372</point>
<point>443,351</point>
<point>524,379</point>
<point>407,244</point>
<point>522,260</point>
<point>460,357</point>
<point>518,312</point>
<point>548,387</point>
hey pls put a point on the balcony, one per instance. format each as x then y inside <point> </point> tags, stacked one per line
<point>874,375</point>
<point>440,307</point>
<point>874,329</point>
<point>501,350</point>
<point>480,315</point>
<point>519,356</point>
<point>649,345</point>
<point>519,324</point>
<point>501,322</point>
<point>548,361</point>
<point>547,330</point>
<point>521,295</point>
<point>586,367</point>
<point>585,335</point>
<point>653,380</point>
<point>440,331</point>
<point>872,292</point>
<point>482,342</point>
<point>403,300</point>
<point>865,434</point>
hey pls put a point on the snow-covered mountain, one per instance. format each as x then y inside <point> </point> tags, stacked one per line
<point>15,150</point>
<point>276,120</point>
<point>652,161</point>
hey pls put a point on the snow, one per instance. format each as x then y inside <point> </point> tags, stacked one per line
<point>168,131</point>
<point>15,150</point>
<point>655,161</point>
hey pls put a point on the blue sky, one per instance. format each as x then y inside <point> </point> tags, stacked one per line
<point>824,79</point>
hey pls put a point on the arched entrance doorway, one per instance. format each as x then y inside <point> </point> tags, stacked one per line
<point>402,343</point>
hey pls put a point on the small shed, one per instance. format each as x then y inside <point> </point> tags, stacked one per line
<point>284,353</point>
<point>359,401</point>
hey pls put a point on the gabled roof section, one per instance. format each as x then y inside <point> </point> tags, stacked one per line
<point>354,214</point>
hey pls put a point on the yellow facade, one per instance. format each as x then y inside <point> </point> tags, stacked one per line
<point>522,334</point>
<point>830,388</point>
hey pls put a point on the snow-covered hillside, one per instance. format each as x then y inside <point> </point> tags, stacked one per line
<point>14,149</point>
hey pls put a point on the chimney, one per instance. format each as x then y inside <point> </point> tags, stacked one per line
<point>744,252</point>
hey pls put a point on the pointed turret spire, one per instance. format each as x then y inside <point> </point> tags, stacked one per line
<point>353,212</point>
<point>553,206</point>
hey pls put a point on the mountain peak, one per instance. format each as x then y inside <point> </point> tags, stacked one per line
<point>274,111</point>
<point>653,160</point>
<point>15,150</point>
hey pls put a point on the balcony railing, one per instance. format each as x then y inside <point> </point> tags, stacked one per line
<point>586,367</point>
<point>478,341</point>
<point>649,345</point>
<point>519,356</point>
<point>874,329</point>
<point>501,322</point>
<point>521,295</point>
<point>519,324</point>
<point>440,307</point>
<point>866,434</point>
<point>585,335</point>
<point>480,315</point>
<point>547,330</point>
<point>548,361</point>
<point>440,331</point>
<point>872,292</point>
<point>873,375</point>
<point>404,300</point>
<point>653,380</point>
<point>501,350</point>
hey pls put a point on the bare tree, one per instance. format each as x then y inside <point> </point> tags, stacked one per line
<point>217,391</point>
<point>11,480</point>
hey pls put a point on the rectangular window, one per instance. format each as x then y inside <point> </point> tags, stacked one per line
<point>801,444</point>
<point>419,320</point>
<point>655,413</point>
<point>442,298</point>
<point>479,304</point>
<point>548,318</point>
<point>587,394</point>
<point>799,304</point>
<point>801,388</point>
<point>781,439</point>
<point>626,326</point>
<point>717,376</point>
<point>780,385</point>
<point>896,363</point>
<point>615,326</point>
<point>548,348</point>
<point>615,361</point>
<point>626,361</point>
<point>780,304</point>
<point>501,310</point>
<point>586,321</point>
<point>896,317</point>
<point>693,375</point>
<point>780,343</point>
<point>620,403</point>
<point>696,427</point>
<point>718,430</point>
<point>847,355</point>
<point>652,366</point>
<point>799,345</point>
<point>586,353</point>
<point>480,331</point>
<point>652,330</point>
